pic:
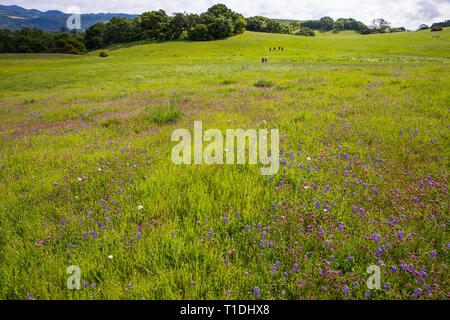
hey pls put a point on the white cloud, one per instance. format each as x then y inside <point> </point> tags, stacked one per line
<point>407,13</point>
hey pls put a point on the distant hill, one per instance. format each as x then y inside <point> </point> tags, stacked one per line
<point>15,17</point>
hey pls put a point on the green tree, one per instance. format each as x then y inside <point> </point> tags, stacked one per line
<point>179,23</point>
<point>221,28</point>
<point>95,35</point>
<point>326,23</point>
<point>155,25</point>
<point>118,30</point>
<point>199,33</point>
<point>220,9</point>
<point>239,25</point>
<point>256,24</point>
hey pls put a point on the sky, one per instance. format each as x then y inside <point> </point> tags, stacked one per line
<point>406,13</point>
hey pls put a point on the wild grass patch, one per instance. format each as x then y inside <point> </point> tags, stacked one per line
<point>162,114</point>
<point>227,82</point>
<point>111,122</point>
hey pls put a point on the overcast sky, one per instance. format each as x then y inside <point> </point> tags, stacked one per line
<point>407,13</point>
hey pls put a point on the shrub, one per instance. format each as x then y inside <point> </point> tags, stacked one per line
<point>304,31</point>
<point>263,83</point>
<point>162,114</point>
<point>103,54</point>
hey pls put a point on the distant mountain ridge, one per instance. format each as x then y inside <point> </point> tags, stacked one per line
<point>15,17</point>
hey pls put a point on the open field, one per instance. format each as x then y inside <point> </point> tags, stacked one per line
<point>86,173</point>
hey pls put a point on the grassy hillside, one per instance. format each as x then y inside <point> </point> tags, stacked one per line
<point>86,177</point>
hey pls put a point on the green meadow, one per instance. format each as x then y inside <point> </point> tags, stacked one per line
<point>86,176</point>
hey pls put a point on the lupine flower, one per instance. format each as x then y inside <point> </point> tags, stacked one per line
<point>345,290</point>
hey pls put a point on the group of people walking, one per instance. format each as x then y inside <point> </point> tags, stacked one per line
<point>264,59</point>
<point>275,49</point>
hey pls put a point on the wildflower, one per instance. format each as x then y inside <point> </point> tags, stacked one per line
<point>256,292</point>
<point>110,257</point>
<point>275,266</point>
<point>387,286</point>
<point>380,251</point>
<point>192,283</point>
<point>140,207</point>
<point>345,290</point>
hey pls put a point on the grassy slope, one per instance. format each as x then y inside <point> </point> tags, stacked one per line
<point>334,95</point>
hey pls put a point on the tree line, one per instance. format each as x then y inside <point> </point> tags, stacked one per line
<point>218,22</point>
<point>34,40</point>
<point>437,26</point>
<point>304,28</point>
